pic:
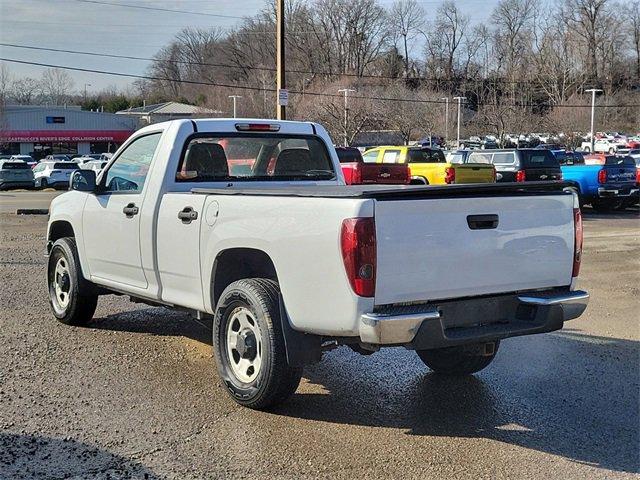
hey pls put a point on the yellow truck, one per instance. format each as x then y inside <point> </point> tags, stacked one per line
<point>429,165</point>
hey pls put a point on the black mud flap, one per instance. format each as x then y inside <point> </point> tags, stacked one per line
<point>302,348</point>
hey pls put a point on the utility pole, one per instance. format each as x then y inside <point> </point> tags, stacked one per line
<point>235,97</point>
<point>460,99</point>
<point>593,112</point>
<point>446,120</point>
<point>281,110</point>
<point>346,116</point>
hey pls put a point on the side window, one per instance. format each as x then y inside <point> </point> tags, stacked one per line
<point>504,158</point>
<point>390,156</point>
<point>129,172</point>
<point>480,157</point>
<point>370,156</point>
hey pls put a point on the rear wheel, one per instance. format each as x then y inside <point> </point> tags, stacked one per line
<point>607,205</point>
<point>72,299</point>
<point>462,360</point>
<point>249,345</point>
<point>44,183</point>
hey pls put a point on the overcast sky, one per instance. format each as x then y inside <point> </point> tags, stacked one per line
<point>77,25</point>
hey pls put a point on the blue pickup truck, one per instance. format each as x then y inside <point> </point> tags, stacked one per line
<point>606,186</point>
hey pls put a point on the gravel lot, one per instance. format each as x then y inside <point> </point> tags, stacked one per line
<point>136,395</point>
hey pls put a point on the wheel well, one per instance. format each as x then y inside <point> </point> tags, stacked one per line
<point>419,181</point>
<point>60,229</point>
<point>575,185</point>
<point>238,263</point>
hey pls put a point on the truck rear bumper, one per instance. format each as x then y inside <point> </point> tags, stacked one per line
<point>616,192</point>
<point>459,322</point>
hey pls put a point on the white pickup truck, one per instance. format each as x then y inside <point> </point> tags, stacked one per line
<point>248,224</point>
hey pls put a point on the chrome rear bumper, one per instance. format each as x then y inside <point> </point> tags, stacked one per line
<point>457,322</point>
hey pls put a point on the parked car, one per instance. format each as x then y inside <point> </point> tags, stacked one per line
<point>605,186</point>
<point>15,174</point>
<point>601,145</point>
<point>357,172</point>
<point>520,165</point>
<point>53,174</point>
<point>28,159</point>
<point>287,262</point>
<point>57,158</point>
<point>429,166</point>
<point>95,165</point>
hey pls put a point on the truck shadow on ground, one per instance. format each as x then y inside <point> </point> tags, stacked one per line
<point>155,321</point>
<point>567,394</point>
<point>37,457</point>
<point>563,393</point>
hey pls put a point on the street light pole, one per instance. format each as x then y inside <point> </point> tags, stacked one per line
<point>235,97</point>
<point>85,91</point>
<point>446,120</point>
<point>346,118</point>
<point>593,112</point>
<point>460,99</point>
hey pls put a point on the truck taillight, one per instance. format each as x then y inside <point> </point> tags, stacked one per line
<point>521,176</point>
<point>356,174</point>
<point>449,175</point>
<point>602,176</point>
<point>358,243</point>
<point>577,250</point>
<point>637,176</point>
<point>257,127</point>
<point>407,179</point>
<point>560,177</point>
<point>494,174</point>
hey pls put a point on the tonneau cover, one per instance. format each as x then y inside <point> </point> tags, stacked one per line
<point>395,192</point>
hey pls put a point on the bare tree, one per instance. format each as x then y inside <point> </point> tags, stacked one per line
<point>57,85</point>
<point>445,42</point>
<point>5,82</point>
<point>26,91</point>
<point>406,20</point>
<point>634,33</point>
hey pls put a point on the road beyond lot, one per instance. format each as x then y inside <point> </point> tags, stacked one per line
<point>136,394</point>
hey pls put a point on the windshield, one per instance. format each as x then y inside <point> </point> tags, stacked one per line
<point>251,157</point>
<point>415,155</point>
<point>620,161</point>
<point>540,158</point>
<point>14,166</point>
<point>65,166</point>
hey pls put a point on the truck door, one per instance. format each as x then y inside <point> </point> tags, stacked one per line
<point>111,219</point>
<point>179,223</point>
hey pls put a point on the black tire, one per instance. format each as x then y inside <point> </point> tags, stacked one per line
<point>275,380</point>
<point>606,205</point>
<point>82,298</point>
<point>463,360</point>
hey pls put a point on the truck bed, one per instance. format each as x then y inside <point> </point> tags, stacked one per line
<point>398,192</point>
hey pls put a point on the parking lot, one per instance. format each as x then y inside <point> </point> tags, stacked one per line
<point>136,394</point>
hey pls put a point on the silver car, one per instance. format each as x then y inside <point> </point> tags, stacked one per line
<point>15,174</point>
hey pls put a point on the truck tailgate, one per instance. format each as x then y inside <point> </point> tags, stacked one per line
<point>474,173</point>
<point>441,248</point>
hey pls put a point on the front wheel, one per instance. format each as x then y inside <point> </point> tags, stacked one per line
<point>462,360</point>
<point>73,299</point>
<point>43,183</point>
<point>249,345</point>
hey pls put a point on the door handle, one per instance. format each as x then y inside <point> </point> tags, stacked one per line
<point>130,210</point>
<point>187,215</point>
<point>482,222</point>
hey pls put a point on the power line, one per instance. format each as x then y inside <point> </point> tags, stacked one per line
<point>297,92</point>
<point>158,9</point>
<point>268,69</point>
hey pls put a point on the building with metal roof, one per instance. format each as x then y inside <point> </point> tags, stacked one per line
<point>42,130</point>
<point>161,112</point>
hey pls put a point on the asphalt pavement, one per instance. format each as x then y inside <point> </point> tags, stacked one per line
<point>136,395</point>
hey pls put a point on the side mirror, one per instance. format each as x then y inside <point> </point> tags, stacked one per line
<point>83,181</point>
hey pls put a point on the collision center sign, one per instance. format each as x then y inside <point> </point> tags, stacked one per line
<point>64,135</point>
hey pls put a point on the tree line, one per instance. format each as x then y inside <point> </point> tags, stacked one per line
<point>523,68</point>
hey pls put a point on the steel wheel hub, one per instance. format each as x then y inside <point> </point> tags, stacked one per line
<point>62,282</point>
<point>244,345</point>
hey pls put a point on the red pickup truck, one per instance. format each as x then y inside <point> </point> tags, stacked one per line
<point>357,172</point>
